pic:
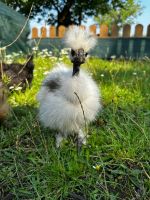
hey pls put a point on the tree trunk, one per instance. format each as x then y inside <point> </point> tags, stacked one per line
<point>64,17</point>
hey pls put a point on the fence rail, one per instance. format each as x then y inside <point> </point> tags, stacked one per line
<point>101,31</point>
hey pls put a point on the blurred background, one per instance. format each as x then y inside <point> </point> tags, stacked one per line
<point>48,20</point>
<point>67,12</point>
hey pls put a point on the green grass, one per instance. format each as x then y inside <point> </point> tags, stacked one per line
<point>115,162</point>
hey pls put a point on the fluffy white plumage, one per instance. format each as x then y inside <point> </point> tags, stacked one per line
<point>77,38</point>
<point>60,108</point>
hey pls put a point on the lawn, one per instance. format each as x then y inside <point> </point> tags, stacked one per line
<point>115,162</point>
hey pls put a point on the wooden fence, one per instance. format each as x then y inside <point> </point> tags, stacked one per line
<point>111,42</point>
<point>104,32</point>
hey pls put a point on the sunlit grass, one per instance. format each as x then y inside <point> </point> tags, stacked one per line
<point>115,162</point>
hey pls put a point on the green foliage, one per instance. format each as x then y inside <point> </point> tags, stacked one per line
<point>123,15</point>
<point>115,162</point>
<point>67,12</point>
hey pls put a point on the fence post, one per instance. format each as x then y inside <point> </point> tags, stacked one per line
<point>52,32</point>
<point>126,30</point>
<point>43,32</point>
<point>114,30</point>
<point>93,29</point>
<point>61,31</point>
<point>103,31</point>
<point>138,30</point>
<point>148,31</point>
<point>34,33</point>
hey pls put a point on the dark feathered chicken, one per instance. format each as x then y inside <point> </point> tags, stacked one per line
<point>18,74</point>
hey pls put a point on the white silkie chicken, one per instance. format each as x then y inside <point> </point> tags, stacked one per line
<point>69,97</point>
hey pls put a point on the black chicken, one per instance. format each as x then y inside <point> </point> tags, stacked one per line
<point>18,74</point>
